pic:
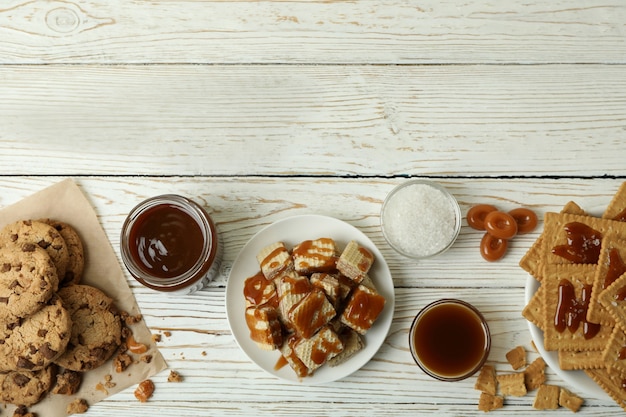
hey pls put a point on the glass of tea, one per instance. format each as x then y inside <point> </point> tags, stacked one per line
<point>449,340</point>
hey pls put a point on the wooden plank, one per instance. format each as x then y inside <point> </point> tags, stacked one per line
<point>221,380</point>
<point>388,31</point>
<point>565,120</point>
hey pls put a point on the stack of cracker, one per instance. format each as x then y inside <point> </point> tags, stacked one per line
<point>580,262</point>
<point>312,303</point>
<point>52,328</point>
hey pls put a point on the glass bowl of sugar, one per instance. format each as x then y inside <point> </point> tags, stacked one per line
<point>420,219</point>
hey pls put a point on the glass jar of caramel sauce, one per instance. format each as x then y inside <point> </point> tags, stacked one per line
<point>169,243</point>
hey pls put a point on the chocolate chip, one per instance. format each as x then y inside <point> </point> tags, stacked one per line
<point>43,244</point>
<point>42,332</point>
<point>6,267</point>
<point>14,284</point>
<point>4,300</point>
<point>29,247</point>
<point>47,352</point>
<point>14,237</point>
<point>24,363</point>
<point>20,379</point>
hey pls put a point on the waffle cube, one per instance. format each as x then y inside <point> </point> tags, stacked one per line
<point>319,349</point>
<point>265,328</point>
<point>355,261</point>
<point>275,260</point>
<point>319,255</point>
<point>291,289</point>
<point>311,313</point>
<point>363,308</point>
<point>288,352</point>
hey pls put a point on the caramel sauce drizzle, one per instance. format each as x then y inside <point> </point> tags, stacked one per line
<point>583,244</point>
<point>571,311</point>
<point>256,290</point>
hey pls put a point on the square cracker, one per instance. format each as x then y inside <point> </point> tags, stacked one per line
<point>617,204</point>
<point>615,307</point>
<point>613,354</point>
<point>490,402</point>
<point>610,380</point>
<point>486,381</point>
<point>569,400</point>
<point>554,231</point>
<point>547,397</point>
<point>516,357</point>
<point>531,261</point>
<point>612,253</point>
<point>580,276</point>
<point>535,374</point>
<point>534,311</point>
<point>512,384</point>
<point>570,360</point>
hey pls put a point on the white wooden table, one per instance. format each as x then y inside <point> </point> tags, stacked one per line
<point>261,110</point>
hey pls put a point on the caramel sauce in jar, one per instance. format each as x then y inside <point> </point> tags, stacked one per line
<point>449,340</point>
<point>169,243</point>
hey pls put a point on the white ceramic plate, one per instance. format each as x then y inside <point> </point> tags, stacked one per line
<point>577,379</point>
<point>292,231</point>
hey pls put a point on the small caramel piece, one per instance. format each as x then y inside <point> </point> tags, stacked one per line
<point>517,357</point>
<point>547,397</point>
<point>134,346</point>
<point>144,390</point>
<point>486,381</point>
<point>489,402</point>
<point>570,400</point>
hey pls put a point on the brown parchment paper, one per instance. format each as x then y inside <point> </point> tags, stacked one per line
<point>65,201</point>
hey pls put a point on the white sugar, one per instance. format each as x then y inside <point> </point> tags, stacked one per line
<point>420,220</point>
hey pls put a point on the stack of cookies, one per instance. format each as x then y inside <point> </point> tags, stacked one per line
<point>580,263</point>
<point>52,328</point>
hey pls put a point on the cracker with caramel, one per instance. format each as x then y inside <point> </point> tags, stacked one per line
<point>614,301</point>
<point>534,311</point>
<point>614,355</point>
<point>611,265</point>
<point>531,262</point>
<point>567,288</point>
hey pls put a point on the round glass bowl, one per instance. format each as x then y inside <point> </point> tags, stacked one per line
<point>169,243</point>
<point>420,219</point>
<point>450,340</point>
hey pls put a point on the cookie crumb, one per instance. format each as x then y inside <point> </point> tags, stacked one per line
<point>78,406</point>
<point>203,353</point>
<point>67,382</point>
<point>174,377</point>
<point>569,400</point>
<point>156,338</point>
<point>22,411</point>
<point>486,381</point>
<point>100,387</point>
<point>144,390</point>
<point>167,334</point>
<point>122,362</point>
<point>146,358</point>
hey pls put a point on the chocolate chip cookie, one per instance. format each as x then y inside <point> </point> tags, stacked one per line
<point>37,340</point>
<point>28,280</point>
<point>26,387</point>
<point>41,234</point>
<point>76,263</point>
<point>96,330</point>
